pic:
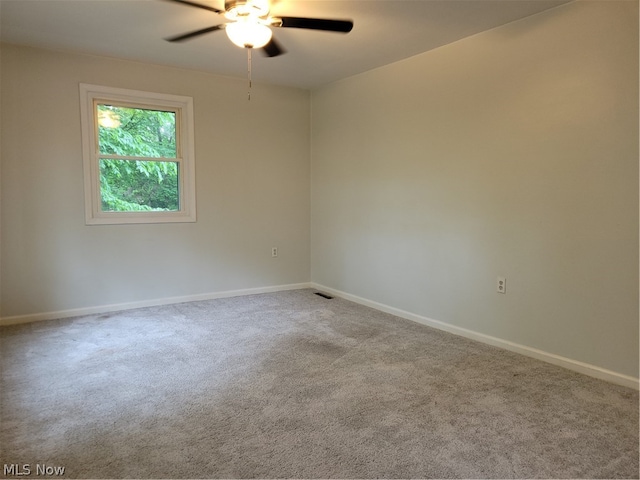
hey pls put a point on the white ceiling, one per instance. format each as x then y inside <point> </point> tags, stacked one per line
<point>385,31</point>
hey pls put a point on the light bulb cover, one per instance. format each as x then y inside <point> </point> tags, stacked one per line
<point>248,33</point>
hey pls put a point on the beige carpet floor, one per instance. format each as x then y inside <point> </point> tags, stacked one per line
<point>293,385</point>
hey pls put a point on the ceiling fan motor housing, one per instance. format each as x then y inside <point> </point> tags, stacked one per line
<point>236,9</point>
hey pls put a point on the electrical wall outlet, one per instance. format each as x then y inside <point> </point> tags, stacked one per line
<point>501,285</point>
<point>274,252</point>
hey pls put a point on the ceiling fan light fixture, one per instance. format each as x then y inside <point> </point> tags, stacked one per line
<point>248,33</point>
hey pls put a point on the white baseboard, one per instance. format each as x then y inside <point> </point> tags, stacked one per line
<point>76,312</point>
<point>558,360</point>
<point>580,367</point>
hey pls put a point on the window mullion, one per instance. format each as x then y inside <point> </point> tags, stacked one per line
<point>140,159</point>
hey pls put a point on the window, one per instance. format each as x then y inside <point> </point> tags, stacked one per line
<point>138,150</point>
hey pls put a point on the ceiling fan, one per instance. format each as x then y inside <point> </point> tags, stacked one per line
<point>249,23</point>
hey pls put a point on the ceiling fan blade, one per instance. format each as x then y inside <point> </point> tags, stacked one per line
<point>197,5</point>
<point>187,36</point>
<point>273,48</point>
<point>343,26</point>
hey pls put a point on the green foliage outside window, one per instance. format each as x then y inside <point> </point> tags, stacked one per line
<point>137,185</point>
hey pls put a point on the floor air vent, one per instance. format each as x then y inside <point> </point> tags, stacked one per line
<point>324,295</point>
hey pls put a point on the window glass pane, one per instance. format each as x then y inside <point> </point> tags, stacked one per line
<point>136,186</point>
<point>136,132</point>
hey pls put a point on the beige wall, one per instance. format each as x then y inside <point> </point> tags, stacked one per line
<point>252,164</point>
<point>514,153</point>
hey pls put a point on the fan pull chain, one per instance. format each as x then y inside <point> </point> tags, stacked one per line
<point>249,73</point>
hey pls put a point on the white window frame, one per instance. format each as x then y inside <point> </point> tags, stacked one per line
<point>90,96</point>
